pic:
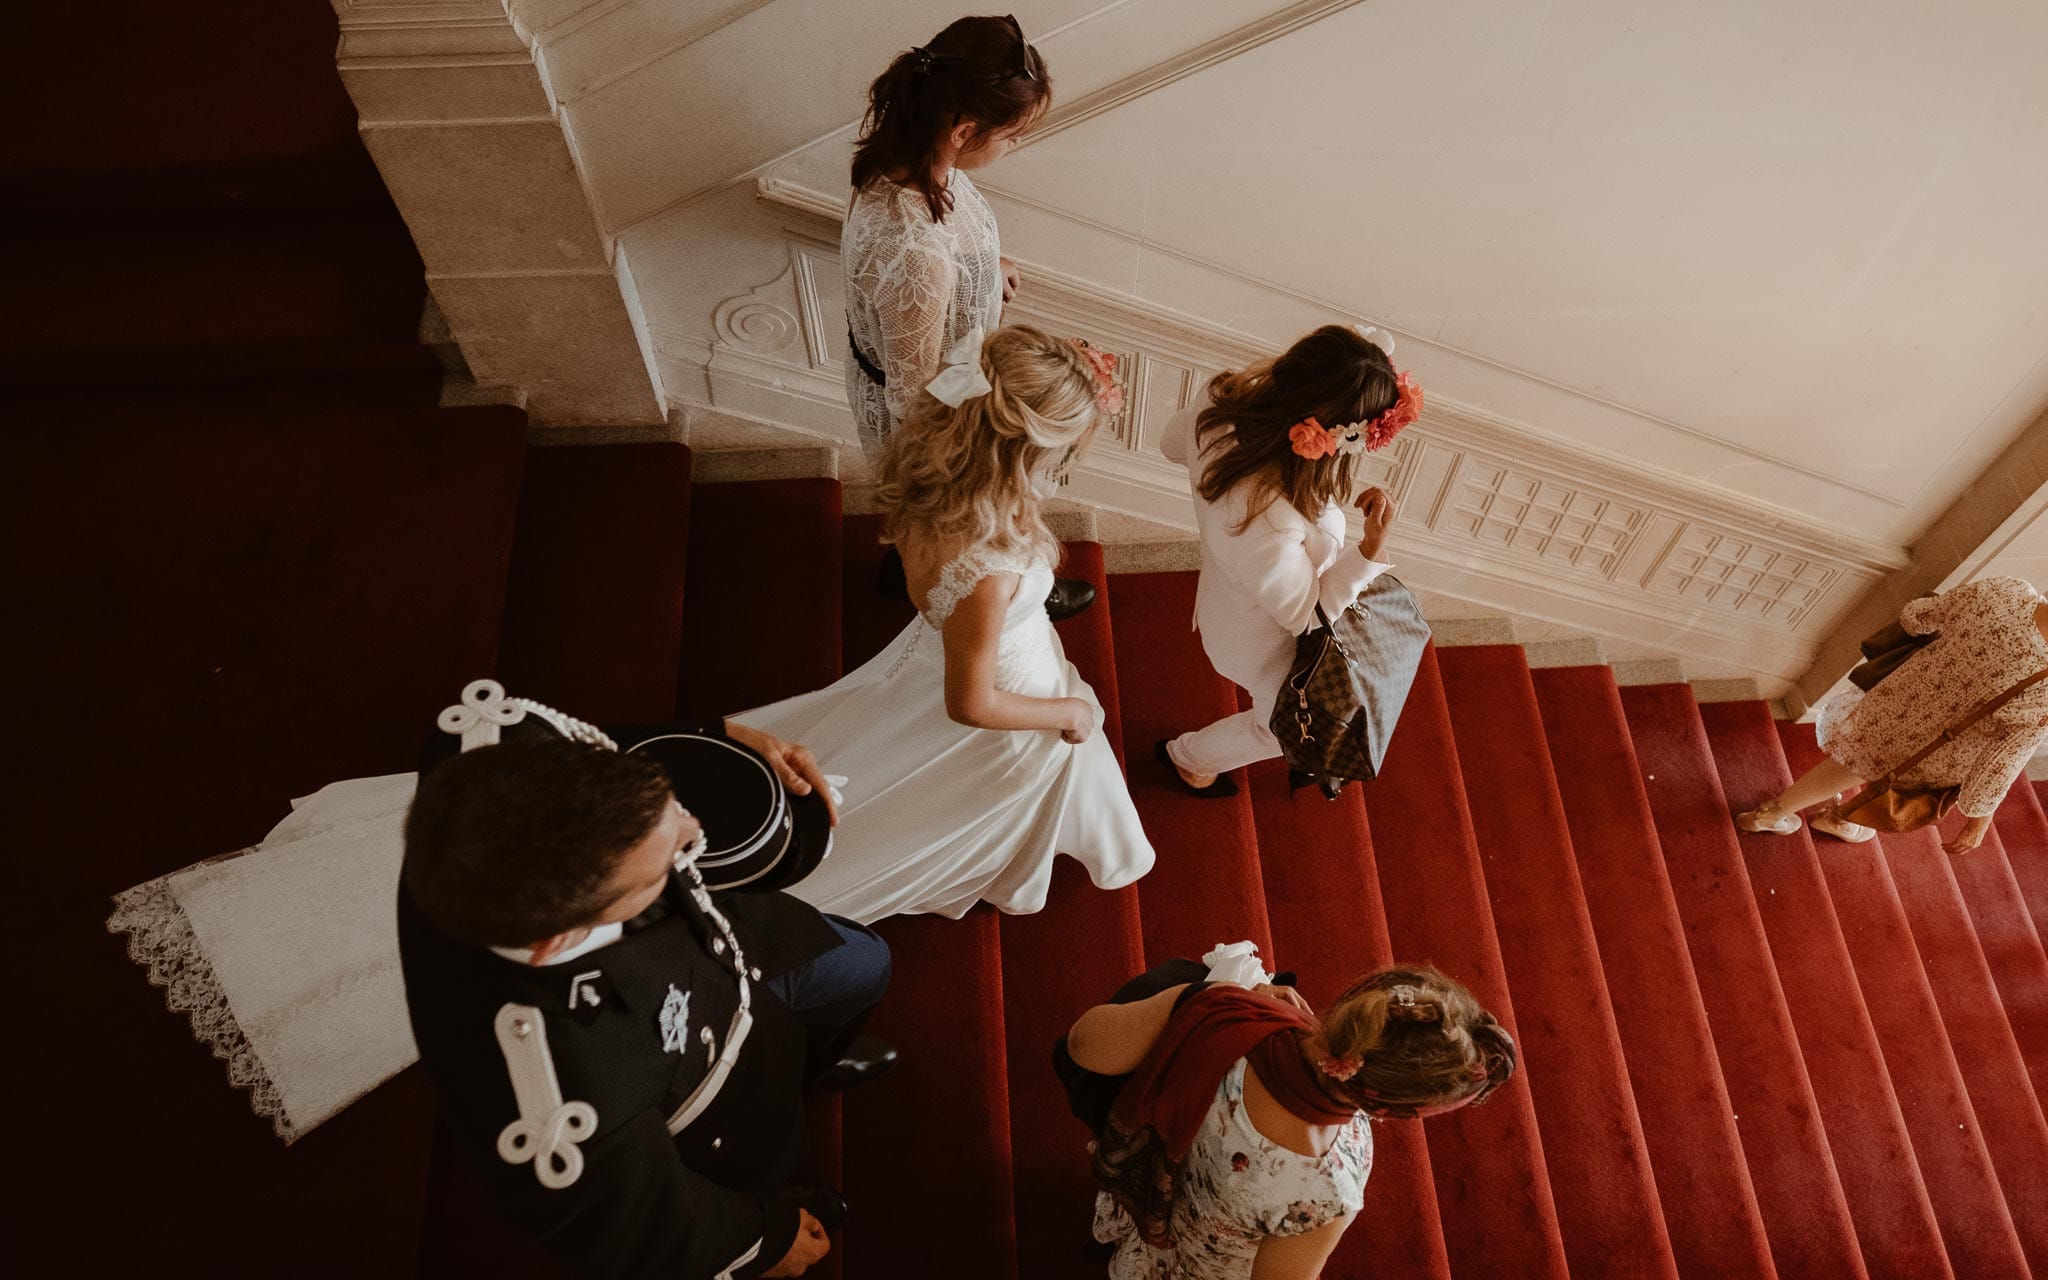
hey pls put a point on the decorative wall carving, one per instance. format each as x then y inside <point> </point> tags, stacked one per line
<point>1516,518</point>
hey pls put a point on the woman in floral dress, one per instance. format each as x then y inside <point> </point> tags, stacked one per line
<point>1989,635</point>
<point>1241,1137</point>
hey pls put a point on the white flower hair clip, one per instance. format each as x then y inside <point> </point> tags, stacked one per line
<point>961,378</point>
<point>1376,336</point>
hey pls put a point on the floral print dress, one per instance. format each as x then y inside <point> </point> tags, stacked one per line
<point>1988,643</point>
<point>1237,1189</point>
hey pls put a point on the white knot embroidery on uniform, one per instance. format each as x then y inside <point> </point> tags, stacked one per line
<point>547,1129</point>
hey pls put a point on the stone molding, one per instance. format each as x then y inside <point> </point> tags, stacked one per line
<point>1493,511</point>
<point>457,111</point>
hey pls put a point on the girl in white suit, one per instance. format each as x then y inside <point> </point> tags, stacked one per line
<point>1270,451</point>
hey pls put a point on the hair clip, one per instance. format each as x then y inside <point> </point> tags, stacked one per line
<point>1109,397</point>
<point>1340,1069</point>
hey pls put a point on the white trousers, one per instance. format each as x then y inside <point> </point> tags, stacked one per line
<point>1242,739</point>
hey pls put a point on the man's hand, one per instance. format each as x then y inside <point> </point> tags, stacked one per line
<point>1969,837</point>
<point>1377,506</point>
<point>795,765</point>
<point>805,1252</point>
<point>1013,279</point>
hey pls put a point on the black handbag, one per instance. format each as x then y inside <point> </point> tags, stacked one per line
<point>1351,676</point>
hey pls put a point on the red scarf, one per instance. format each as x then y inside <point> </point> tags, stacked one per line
<point>1172,1089</point>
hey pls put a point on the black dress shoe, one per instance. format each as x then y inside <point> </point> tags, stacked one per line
<point>890,582</point>
<point>864,1059</point>
<point>1225,785</point>
<point>823,1203</point>
<point>1069,596</point>
<point>1330,787</point>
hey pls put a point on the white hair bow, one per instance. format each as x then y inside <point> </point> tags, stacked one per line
<point>961,379</point>
<point>1376,336</point>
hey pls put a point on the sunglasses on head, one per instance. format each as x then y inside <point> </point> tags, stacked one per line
<point>1023,67</point>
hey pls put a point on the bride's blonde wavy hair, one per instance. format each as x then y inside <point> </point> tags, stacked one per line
<point>966,474</point>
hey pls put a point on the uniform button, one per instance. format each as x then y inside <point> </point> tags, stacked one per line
<point>716,1143</point>
<point>522,1028</point>
<point>755,973</point>
<point>718,946</point>
<point>705,1035</point>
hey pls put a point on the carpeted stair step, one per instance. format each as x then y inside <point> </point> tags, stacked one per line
<point>1710,1209</point>
<point>1206,887</point>
<point>218,611</point>
<point>927,1156</point>
<point>764,594</point>
<point>927,1147</point>
<point>1323,900</point>
<point>1859,1109</point>
<point>594,614</point>
<point>99,301</point>
<point>1606,1195</point>
<point>1492,1184</point>
<point>1976,1231</point>
<point>2023,840</point>
<point>2023,831</point>
<point>1805,1212</point>
<point>2012,948</point>
<point>1958,1074</point>
<point>871,621</point>
<point>1057,962</point>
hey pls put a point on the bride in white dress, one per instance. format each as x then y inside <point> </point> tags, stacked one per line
<point>970,744</point>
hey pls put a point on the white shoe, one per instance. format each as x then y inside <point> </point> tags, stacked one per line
<point>1766,819</point>
<point>1845,831</point>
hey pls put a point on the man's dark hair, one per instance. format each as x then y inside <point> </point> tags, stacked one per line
<point>511,844</point>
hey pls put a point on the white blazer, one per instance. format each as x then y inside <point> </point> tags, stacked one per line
<point>1259,589</point>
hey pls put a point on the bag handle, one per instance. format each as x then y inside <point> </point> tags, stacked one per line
<point>1949,734</point>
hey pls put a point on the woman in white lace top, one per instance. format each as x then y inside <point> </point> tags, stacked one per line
<point>970,744</point>
<point>922,256</point>
<point>920,248</point>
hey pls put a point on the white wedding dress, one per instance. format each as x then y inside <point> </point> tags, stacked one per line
<point>937,815</point>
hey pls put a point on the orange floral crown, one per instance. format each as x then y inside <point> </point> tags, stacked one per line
<point>1313,440</point>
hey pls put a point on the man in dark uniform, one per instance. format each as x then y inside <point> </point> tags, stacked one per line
<point>620,1051</point>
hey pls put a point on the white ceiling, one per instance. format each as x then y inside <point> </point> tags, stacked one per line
<point>1794,251</point>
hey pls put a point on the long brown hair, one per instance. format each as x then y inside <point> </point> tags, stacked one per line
<point>978,70</point>
<point>1421,1042</point>
<point>1333,375</point>
<point>965,475</point>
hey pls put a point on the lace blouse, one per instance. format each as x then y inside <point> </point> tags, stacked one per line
<point>914,287</point>
<point>1988,642</point>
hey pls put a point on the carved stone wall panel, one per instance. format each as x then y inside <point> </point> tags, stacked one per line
<point>1162,388</point>
<point>1497,514</point>
<point>1744,576</point>
<point>1562,525</point>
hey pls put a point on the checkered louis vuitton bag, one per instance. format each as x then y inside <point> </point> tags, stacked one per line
<point>1350,677</point>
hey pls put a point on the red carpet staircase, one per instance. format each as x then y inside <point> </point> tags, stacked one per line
<point>1743,1056</point>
